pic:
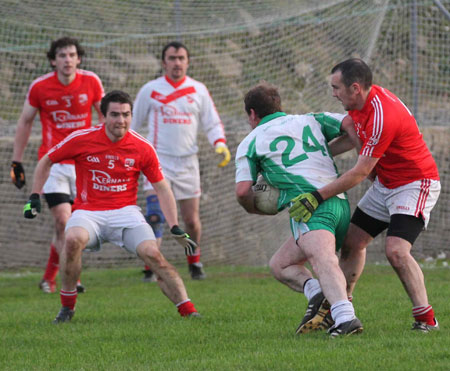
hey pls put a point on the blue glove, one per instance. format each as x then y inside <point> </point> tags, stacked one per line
<point>304,206</point>
<point>32,207</point>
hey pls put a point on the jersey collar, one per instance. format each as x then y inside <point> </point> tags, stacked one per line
<point>73,83</point>
<point>173,83</point>
<point>368,104</point>
<point>270,117</point>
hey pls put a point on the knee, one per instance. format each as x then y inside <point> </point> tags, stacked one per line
<point>275,267</point>
<point>323,259</point>
<point>60,224</point>
<point>151,254</point>
<point>155,217</point>
<point>192,222</point>
<point>351,246</point>
<point>396,256</point>
<point>73,244</point>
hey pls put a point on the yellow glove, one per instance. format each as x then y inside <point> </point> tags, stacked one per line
<point>222,149</point>
<point>304,205</point>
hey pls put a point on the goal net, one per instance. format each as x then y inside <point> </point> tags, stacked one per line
<point>233,45</point>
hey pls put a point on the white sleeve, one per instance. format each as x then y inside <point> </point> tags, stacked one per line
<point>210,120</point>
<point>243,168</point>
<point>141,108</point>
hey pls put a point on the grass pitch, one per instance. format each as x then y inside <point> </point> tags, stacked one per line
<point>248,323</point>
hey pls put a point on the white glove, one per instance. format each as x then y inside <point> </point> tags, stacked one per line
<point>184,240</point>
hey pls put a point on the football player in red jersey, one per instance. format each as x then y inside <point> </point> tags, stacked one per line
<point>108,161</point>
<point>405,189</point>
<point>64,99</point>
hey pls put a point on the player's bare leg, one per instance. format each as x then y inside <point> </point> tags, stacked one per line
<point>398,252</point>
<point>61,213</point>
<point>75,242</point>
<point>70,260</point>
<point>287,266</point>
<point>319,248</point>
<point>190,213</point>
<point>353,255</point>
<point>169,280</point>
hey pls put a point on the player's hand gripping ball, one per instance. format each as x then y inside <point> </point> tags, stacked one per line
<point>266,196</point>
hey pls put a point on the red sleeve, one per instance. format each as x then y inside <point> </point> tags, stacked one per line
<point>64,150</point>
<point>378,137</point>
<point>98,89</point>
<point>33,96</point>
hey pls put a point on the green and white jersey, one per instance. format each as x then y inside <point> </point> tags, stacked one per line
<point>291,152</point>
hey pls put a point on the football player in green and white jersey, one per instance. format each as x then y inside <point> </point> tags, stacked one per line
<point>294,154</point>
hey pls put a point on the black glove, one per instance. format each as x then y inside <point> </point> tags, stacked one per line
<point>17,174</point>
<point>184,240</point>
<point>32,207</point>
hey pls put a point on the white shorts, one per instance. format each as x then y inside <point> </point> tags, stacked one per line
<point>61,180</point>
<point>183,175</point>
<point>113,226</point>
<point>417,198</point>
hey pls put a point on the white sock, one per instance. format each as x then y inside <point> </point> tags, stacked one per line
<point>342,311</point>
<point>312,288</point>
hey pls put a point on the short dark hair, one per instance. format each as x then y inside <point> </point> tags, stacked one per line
<point>264,99</point>
<point>174,44</point>
<point>354,70</point>
<point>62,43</point>
<point>116,96</point>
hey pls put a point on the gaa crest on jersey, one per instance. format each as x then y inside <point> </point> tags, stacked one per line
<point>129,162</point>
<point>51,102</point>
<point>82,99</point>
<point>93,159</point>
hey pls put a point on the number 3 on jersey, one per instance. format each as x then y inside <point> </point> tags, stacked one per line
<point>307,135</point>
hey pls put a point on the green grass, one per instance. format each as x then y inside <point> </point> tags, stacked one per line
<point>248,323</point>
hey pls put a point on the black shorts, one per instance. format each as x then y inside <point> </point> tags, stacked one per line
<point>54,199</point>
<point>404,226</point>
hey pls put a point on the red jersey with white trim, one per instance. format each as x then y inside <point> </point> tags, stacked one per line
<point>107,173</point>
<point>389,132</point>
<point>173,113</point>
<point>64,108</point>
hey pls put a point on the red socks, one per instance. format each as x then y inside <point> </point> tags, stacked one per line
<point>185,308</point>
<point>424,314</point>
<point>194,258</point>
<point>52,265</point>
<point>69,298</point>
